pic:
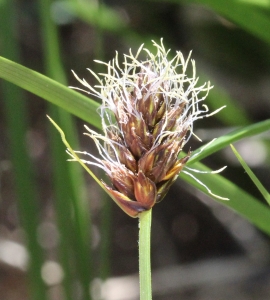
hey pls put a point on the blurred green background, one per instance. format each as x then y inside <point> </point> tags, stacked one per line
<point>60,236</point>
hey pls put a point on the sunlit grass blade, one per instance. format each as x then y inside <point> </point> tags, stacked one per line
<point>252,176</point>
<point>240,201</point>
<point>50,90</point>
<point>226,140</point>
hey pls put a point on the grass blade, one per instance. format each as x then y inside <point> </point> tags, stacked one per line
<point>226,140</point>
<point>50,90</point>
<point>240,201</point>
<point>252,176</point>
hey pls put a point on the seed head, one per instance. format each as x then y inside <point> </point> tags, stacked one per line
<point>147,112</point>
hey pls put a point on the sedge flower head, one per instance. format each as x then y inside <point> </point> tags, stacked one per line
<point>148,110</point>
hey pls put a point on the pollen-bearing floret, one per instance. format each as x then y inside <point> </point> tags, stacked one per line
<point>147,111</point>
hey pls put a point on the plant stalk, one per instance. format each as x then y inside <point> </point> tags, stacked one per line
<point>144,255</point>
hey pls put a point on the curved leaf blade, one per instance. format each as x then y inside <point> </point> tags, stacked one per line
<point>240,201</point>
<point>50,90</point>
<point>226,140</point>
<point>252,176</point>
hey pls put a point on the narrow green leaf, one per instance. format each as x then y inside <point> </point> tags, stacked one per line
<point>240,201</point>
<point>229,138</point>
<point>252,176</point>
<point>50,90</point>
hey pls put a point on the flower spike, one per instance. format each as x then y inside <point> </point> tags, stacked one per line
<point>148,110</point>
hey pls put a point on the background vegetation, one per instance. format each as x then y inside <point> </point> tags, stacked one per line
<point>60,236</point>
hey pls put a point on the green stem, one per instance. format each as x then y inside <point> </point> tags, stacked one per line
<point>144,255</point>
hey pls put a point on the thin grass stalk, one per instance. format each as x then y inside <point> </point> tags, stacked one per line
<point>252,176</point>
<point>106,234</point>
<point>25,185</point>
<point>145,255</point>
<point>233,136</point>
<point>63,209</point>
<point>106,213</point>
<point>69,179</point>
